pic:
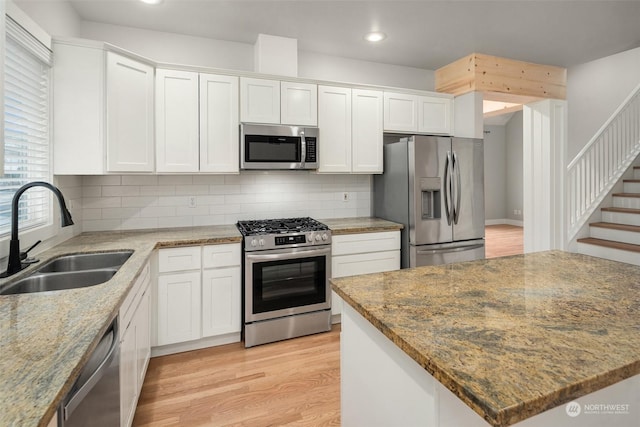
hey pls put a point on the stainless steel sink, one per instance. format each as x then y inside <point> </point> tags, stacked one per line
<point>59,281</point>
<point>86,262</point>
<point>70,272</point>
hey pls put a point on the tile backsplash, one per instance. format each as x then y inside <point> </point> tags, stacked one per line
<point>125,202</point>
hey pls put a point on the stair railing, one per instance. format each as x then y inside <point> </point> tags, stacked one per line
<point>600,164</point>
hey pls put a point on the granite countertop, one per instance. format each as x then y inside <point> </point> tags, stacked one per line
<point>513,336</point>
<point>45,338</point>
<point>340,226</point>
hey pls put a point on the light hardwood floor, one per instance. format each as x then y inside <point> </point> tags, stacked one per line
<point>289,383</point>
<point>503,240</point>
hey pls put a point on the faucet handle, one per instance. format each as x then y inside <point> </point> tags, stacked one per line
<point>23,255</point>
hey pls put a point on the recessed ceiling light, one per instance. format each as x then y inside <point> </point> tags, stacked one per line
<point>375,36</point>
<point>151,1</point>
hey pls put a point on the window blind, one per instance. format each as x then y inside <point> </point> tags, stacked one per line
<point>26,119</point>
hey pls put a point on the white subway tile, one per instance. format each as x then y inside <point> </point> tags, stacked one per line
<point>139,223</point>
<point>363,212</point>
<point>119,213</point>
<point>210,200</point>
<point>208,220</point>
<point>101,202</point>
<point>239,198</point>
<point>227,208</point>
<point>184,221</point>
<point>191,190</point>
<point>158,190</point>
<point>139,201</point>
<point>101,180</point>
<point>92,191</point>
<point>101,225</point>
<point>175,180</point>
<point>140,180</point>
<point>187,211</point>
<point>173,200</point>
<point>88,214</point>
<point>157,211</point>
<point>122,190</point>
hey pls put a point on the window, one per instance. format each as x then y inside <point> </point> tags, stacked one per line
<point>26,120</point>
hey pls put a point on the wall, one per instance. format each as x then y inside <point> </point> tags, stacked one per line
<point>495,173</point>
<point>58,18</point>
<point>117,202</point>
<point>594,91</point>
<point>515,172</point>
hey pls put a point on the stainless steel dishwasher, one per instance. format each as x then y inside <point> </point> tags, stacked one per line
<point>94,399</point>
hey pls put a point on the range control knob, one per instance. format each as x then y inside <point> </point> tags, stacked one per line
<point>318,238</point>
<point>261,242</point>
<point>324,237</point>
<point>310,238</point>
<point>253,242</point>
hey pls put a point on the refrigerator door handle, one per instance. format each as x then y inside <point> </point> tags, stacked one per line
<point>447,187</point>
<point>456,249</point>
<point>458,186</point>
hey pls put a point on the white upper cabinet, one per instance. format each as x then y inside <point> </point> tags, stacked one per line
<point>259,100</point>
<point>103,111</point>
<point>276,102</point>
<point>435,115</point>
<point>130,142</point>
<point>334,121</point>
<point>366,121</point>
<point>197,122</point>
<point>418,113</point>
<point>350,122</point>
<point>219,124</point>
<point>299,104</point>
<point>400,112</point>
<point>177,121</point>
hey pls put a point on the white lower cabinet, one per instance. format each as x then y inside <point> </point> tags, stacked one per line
<point>199,296</point>
<point>363,253</point>
<point>135,345</point>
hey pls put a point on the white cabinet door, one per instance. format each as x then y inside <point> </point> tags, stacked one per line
<point>143,336</point>
<point>435,115</point>
<point>259,100</point>
<point>334,121</point>
<point>367,131</point>
<point>299,104</point>
<point>128,375</point>
<point>219,124</point>
<point>178,307</point>
<point>177,121</point>
<point>130,141</point>
<point>221,301</point>
<point>400,112</point>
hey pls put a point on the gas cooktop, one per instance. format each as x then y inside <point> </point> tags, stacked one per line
<point>280,226</point>
<point>266,234</point>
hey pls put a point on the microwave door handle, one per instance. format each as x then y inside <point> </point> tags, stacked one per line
<point>303,148</point>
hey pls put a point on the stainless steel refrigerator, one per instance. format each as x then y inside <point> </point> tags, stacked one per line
<point>435,187</point>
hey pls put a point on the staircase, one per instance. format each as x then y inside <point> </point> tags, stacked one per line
<point>617,236</point>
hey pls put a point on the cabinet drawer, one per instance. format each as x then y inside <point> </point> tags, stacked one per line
<point>377,262</point>
<point>365,243</point>
<point>216,256</point>
<point>179,259</point>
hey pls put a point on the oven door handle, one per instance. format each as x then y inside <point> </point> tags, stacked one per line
<point>288,255</point>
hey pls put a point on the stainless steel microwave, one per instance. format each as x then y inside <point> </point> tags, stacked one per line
<point>278,147</point>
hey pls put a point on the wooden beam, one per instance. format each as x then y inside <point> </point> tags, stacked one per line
<point>486,73</point>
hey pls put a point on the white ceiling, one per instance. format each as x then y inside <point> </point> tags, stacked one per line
<point>426,34</point>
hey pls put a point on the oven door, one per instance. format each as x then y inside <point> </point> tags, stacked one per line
<point>283,282</point>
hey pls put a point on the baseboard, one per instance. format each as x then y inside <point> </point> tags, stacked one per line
<point>195,345</point>
<point>504,221</point>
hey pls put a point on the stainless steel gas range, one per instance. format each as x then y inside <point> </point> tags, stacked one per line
<point>286,270</point>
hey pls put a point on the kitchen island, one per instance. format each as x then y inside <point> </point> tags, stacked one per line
<point>495,342</point>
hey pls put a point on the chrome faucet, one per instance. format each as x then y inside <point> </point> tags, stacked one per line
<point>15,256</point>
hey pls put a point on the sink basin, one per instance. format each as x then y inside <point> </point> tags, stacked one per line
<point>86,262</point>
<point>39,282</point>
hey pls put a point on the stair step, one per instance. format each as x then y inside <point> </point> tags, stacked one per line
<point>614,226</point>
<point>622,210</point>
<point>611,244</point>
<point>626,195</point>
